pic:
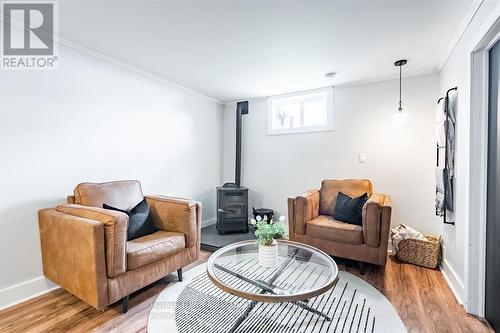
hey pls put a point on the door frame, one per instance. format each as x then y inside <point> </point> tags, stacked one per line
<point>475,277</point>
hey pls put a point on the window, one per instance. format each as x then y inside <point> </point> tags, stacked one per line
<point>307,111</point>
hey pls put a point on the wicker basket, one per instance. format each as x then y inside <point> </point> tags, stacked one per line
<point>426,253</point>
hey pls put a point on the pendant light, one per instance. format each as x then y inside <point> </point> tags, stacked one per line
<point>400,116</point>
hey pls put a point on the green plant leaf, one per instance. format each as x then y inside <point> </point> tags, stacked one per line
<point>267,232</point>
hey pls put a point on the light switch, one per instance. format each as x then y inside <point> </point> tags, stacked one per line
<point>362,158</point>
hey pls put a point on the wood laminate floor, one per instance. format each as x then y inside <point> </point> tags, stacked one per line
<point>421,297</point>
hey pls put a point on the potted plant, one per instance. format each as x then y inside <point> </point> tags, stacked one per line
<point>267,232</point>
<point>281,117</point>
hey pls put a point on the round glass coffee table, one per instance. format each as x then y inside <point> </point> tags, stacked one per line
<point>302,272</point>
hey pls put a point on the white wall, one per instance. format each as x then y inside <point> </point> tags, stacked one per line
<point>456,72</point>
<point>400,160</point>
<point>94,121</point>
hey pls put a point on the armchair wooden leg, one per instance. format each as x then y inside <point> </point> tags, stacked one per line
<point>362,268</point>
<point>125,304</point>
<point>179,274</point>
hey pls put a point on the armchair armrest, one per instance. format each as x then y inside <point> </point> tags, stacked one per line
<point>115,225</point>
<point>179,215</point>
<point>385,228</point>
<point>301,209</point>
<point>73,255</point>
<point>377,220</point>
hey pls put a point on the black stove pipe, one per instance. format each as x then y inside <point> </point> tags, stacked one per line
<point>241,108</point>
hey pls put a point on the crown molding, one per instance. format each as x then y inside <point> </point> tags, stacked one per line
<point>462,28</point>
<point>342,85</point>
<point>122,64</point>
<point>132,68</point>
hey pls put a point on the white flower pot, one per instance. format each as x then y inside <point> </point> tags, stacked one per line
<point>268,254</point>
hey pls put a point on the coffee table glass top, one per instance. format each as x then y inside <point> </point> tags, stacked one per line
<point>302,272</point>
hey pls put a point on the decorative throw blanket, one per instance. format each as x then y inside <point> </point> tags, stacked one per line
<point>402,232</point>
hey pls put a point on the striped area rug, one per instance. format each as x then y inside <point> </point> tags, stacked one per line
<point>196,305</point>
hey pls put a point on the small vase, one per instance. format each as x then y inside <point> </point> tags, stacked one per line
<point>268,254</point>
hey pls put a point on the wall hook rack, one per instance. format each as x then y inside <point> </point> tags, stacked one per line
<point>446,111</point>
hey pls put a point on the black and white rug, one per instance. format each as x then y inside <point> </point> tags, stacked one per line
<point>196,305</point>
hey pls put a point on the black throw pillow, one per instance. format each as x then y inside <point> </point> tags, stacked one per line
<point>139,221</point>
<point>350,210</point>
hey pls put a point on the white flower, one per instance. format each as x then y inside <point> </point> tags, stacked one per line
<point>282,219</point>
<point>259,218</point>
<point>265,217</point>
<point>253,222</point>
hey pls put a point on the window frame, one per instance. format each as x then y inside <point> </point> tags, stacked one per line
<point>306,129</point>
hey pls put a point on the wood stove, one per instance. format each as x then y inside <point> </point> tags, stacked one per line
<point>232,209</point>
<point>232,198</point>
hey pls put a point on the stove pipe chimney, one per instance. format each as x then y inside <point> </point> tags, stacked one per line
<point>241,108</point>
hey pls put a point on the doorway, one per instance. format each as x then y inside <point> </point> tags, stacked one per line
<point>492,274</point>
<point>482,189</point>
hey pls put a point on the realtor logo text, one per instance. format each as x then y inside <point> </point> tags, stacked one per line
<point>29,35</point>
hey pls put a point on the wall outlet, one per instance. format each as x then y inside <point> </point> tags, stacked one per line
<point>362,158</point>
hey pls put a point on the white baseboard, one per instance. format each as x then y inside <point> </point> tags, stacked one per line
<point>24,291</point>
<point>453,281</point>
<point>207,223</point>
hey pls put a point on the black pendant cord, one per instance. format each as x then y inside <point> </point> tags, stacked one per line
<point>400,88</point>
<point>400,63</point>
<point>446,111</point>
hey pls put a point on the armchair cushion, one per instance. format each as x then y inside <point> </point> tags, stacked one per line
<point>139,221</point>
<point>150,248</point>
<point>124,194</point>
<point>349,209</point>
<point>325,227</point>
<point>330,189</point>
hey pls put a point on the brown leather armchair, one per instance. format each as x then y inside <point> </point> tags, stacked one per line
<point>85,248</point>
<point>311,222</point>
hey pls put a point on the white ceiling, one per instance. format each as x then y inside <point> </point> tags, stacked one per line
<point>238,49</point>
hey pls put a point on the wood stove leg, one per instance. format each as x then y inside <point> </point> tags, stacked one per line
<point>125,304</point>
<point>179,274</point>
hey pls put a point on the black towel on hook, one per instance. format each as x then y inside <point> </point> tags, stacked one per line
<point>450,137</point>
<point>448,187</point>
<point>449,170</point>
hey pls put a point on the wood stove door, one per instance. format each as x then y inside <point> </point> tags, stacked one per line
<point>232,210</point>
